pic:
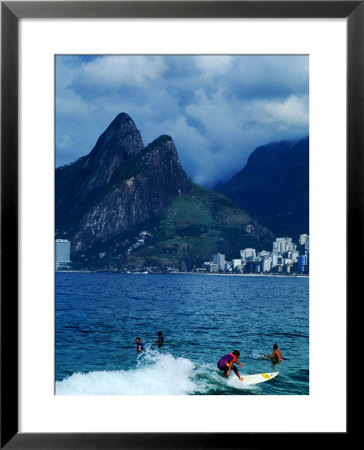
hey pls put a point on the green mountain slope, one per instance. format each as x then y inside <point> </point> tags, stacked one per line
<point>185,234</point>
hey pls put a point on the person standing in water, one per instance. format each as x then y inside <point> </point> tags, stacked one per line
<point>160,340</point>
<point>226,363</point>
<point>140,345</point>
<point>276,356</point>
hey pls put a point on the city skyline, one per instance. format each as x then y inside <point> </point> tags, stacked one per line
<point>284,257</point>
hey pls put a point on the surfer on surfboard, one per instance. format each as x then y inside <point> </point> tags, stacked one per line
<point>276,356</point>
<point>226,363</point>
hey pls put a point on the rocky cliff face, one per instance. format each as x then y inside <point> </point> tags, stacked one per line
<point>118,186</point>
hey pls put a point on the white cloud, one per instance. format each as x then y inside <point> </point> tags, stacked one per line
<point>135,71</point>
<point>211,65</point>
<point>68,102</point>
<point>288,112</point>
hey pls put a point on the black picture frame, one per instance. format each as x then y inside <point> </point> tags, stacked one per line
<point>11,13</point>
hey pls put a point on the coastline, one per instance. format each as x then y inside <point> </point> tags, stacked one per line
<point>260,275</point>
<point>242,274</point>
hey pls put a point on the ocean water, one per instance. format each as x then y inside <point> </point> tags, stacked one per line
<point>202,317</point>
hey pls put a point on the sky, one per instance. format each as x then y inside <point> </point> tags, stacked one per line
<point>216,108</point>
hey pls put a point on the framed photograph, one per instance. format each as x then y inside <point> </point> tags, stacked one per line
<point>181,189</point>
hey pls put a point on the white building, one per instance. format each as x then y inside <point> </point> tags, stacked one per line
<point>304,240</point>
<point>277,259</point>
<point>219,259</point>
<point>293,255</point>
<point>307,243</point>
<point>263,254</point>
<point>236,263</point>
<point>63,253</point>
<point>275,254</point>
<point>248,254</point>
<point>283,245</point>
<point>213,267</point>
<point>266,264</point>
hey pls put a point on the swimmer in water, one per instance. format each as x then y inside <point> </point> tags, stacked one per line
<point>160,340</point>
<point>226,363</point>
<point>276,356</point>
<point>140,345</point>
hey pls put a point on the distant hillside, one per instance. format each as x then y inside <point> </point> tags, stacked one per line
<point>274,186</point>
<point>126,204</point>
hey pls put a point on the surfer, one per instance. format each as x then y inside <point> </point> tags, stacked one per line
<point>160,340</point>
<point>140,345</point>
<point>226,363</point>
<point>276,356</point>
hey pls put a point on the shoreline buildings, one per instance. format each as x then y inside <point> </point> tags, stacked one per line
<point>285,257</point>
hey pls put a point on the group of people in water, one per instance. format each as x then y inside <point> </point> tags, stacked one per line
<point>227,363</point>
<point>159,342</point>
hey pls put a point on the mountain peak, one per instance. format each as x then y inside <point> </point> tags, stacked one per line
<point>124,119</point>
<point>119,185</point>
<point>160,141</point>
<point>121,137</point>
<point>123,115</point>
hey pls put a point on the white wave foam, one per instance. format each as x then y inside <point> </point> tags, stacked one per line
<point>257,354</point>
<point>156,374</point>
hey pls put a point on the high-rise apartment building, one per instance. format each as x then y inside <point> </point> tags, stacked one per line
<point>302,263</point>
<point>283,245</point>
<point>219,259</point>
<point>63,253</point>
<point>248,254</point>
<point>304,240</point>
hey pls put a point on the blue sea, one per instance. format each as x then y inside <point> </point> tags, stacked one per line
<point>202,317</point>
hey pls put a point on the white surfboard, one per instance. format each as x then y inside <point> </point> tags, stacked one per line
<point>254,379</point>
